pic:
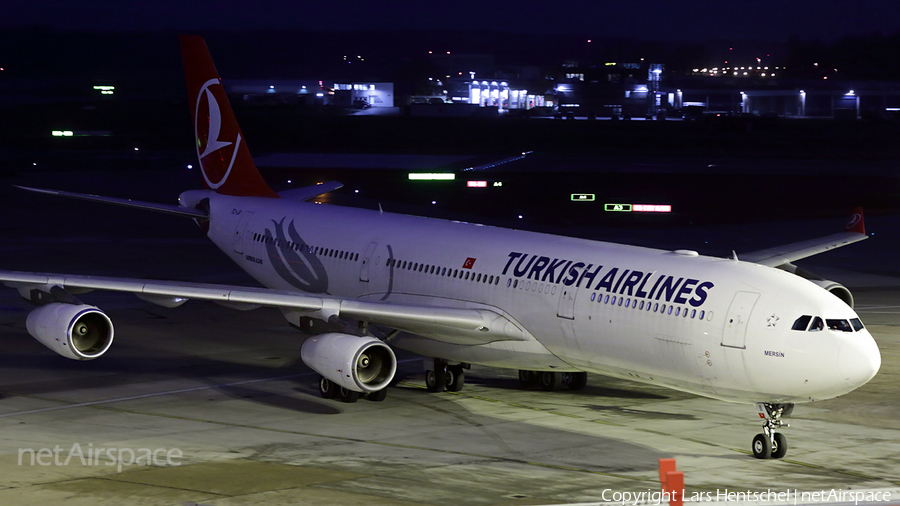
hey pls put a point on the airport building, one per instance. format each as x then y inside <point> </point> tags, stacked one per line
<point>313,92</point>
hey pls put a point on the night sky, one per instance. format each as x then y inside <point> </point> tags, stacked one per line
<point>698,20</point>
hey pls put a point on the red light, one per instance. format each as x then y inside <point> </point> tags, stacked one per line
<point>651,208</point>
<point>476,184</point>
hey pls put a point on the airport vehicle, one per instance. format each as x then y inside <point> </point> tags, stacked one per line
<point>555,308</point>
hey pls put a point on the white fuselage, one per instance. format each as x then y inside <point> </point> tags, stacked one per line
<point>715,327</point>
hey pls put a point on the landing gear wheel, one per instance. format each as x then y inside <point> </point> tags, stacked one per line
<point>377,396</point>
<point>574,380</point>
<point>456,378</point>
<point>327,389</point>
<point>779,449</point>
<point>528,379</point>
<point>436,381</point>
<point>762,447</point>
<point>348,395</point>
<point>549,381</point>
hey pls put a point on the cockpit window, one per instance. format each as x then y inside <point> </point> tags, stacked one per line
<point>802,322</point>
<point>817,325</point>
<point>841,325</point>
<point>857,325</point>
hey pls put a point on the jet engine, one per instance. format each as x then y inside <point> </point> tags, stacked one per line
<point>833,287</point>
<point>76,331</point>
<point>361,364</point>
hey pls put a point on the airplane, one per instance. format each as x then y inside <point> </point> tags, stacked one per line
<point>755,330</point>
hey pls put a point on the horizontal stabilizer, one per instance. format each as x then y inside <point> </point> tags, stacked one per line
<point>310,192</point>
<point>148,206</point>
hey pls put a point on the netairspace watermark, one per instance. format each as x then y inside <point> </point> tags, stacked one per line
<point>787,496</point>
<point>119,457</point>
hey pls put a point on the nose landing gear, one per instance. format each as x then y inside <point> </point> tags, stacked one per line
<point>771,444</point>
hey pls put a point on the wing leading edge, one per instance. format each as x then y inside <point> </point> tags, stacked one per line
<point>784,255</point>
<point>465,326</point>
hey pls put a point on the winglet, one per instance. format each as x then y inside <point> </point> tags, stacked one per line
<point>224,158</point>
<point>857,223</point>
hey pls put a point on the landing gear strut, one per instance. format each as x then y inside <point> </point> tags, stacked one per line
<point>549,380</point>
<point>443,375</point>
<point>329,390</point>
<point>772,444</point>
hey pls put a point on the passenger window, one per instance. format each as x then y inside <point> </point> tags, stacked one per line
<point>857,325</point>
<point>817,325</point>
<point>614,300</point>
<point>840,325</point>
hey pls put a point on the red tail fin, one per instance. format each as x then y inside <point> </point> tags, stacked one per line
<point>225,160</point>
<point>856,223</point>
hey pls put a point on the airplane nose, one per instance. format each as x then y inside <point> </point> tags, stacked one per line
<point>859,360</point>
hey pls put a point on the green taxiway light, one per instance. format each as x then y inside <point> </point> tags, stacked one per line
<point>431,176</point>
<point>621,208</point>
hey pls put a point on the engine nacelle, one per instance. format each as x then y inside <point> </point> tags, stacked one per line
<point>79,332</point>
<point>838,290</point>
<point>361,364</point>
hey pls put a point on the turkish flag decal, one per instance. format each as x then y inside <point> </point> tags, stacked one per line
<point>468,263</point>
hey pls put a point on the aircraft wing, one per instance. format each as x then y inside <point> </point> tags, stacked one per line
<point>781,255</point>
<point>148,206</point>
<point>467,326</point>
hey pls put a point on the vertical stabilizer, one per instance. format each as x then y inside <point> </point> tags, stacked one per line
<point>224,158</point>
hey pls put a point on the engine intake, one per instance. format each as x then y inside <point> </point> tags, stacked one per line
<point>834,288</point>
<point>361,364</point>
<point>78,332</point>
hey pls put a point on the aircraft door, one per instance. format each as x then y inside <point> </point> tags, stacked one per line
<point>240,231</point>
<point>736,320</point>
<point>567,303</point>
<point>367,259</point>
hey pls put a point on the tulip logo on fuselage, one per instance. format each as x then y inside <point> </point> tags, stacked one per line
<point>292,259</point>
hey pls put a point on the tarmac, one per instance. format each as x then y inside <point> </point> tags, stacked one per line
<point>208,405</point>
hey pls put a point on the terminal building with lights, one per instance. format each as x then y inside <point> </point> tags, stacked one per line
<point>313,92</point>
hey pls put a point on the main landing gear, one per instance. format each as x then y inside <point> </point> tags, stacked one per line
<point>328,390</point>
<point>771,444</point>
<point>549,380</point>
<point>443,375</point>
